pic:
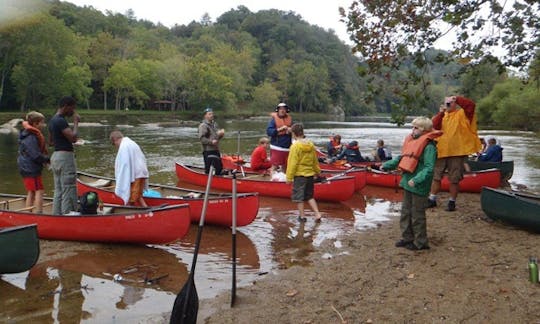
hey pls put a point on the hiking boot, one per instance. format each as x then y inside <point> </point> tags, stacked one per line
<point>432,203</point>
<point>402,243</point>
<point>413,247</point>
<point>451,206</point>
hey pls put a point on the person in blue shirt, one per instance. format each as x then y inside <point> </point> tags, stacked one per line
<point>493,152</point>
<point>351,153</point>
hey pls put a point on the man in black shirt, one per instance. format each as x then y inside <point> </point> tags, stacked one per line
<point>63,159</point>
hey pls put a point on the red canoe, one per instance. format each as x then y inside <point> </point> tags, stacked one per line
<point>231,162</point>
<point>119,224</point>
<point>471,182</point>
<point>218,212</point>
<point>338,189</point>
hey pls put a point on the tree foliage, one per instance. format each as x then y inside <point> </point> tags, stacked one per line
<point>388,33</point>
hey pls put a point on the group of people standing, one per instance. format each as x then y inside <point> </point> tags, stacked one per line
<point>434,147</point>
<point>290,152</point>
<point>131,172</point>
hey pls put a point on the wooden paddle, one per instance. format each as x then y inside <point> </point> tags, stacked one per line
<point>234,207</point>
<point>186,304</point>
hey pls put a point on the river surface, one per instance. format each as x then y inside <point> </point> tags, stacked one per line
<point>79,286</point>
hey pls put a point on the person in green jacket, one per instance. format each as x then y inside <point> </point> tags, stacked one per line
<point>418,156</point>
<point>302,168</point>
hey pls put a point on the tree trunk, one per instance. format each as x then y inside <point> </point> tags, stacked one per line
<point>105,100</point>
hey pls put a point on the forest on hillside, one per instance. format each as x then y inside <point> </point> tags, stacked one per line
<point>242,62</point>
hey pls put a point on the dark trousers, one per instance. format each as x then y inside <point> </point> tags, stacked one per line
<point>413,219</point>
<point>212,158</point>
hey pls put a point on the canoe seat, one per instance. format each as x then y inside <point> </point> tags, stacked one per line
<point>100,183</point>
<point>25,209</point>
<point>106,210</point>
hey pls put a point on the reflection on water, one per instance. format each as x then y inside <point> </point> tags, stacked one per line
<point>80,286</point>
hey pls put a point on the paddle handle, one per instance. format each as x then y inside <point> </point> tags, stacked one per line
<point>234,215</point>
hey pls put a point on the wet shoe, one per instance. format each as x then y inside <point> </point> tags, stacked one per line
<point>318,220</point>
<point>432,203</point>
<point>402,243</point>
<point>413,247</point>
<point>451,206</point>
<point>301,219</point>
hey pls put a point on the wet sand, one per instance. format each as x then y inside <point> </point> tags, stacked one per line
<point>475,272</point>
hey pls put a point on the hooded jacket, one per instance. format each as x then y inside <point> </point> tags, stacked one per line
<point>31,157</point>
<point>492,154</point>
<point>302,160</point>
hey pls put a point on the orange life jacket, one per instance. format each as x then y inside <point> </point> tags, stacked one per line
<point>413,148</point>
<point>335,144</point>
<point>41,139</point>
<point>286,121</point>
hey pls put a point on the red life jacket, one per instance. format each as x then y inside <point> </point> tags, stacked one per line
<point>285,121</point>
<point>335,144</point>
<point>413,148</point>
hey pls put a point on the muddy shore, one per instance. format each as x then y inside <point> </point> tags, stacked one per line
<point>475,272</point>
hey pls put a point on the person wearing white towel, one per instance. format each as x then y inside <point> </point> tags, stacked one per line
<point>130,170</point>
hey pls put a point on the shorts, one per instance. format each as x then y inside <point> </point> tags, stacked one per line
<point>33,183</point>
<point>302,189</point>
<point>137,188</point>
<point>453,164</point>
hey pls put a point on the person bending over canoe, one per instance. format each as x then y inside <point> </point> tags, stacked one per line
<point>259,159</point>
<point>130,171</point>
<point>302,168</point>
<point>416,161</point>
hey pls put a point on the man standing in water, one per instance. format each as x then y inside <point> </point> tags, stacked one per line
<point>279,131</point>
<point>457,120</point>
<point>210,135</point>
<point>62,137</point>
<point>130,171</point>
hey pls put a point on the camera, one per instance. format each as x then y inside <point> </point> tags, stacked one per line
<point>448,104</point>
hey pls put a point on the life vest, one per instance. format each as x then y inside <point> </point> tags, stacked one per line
<point>286,121</point>
<point>41,139</point>
<point>234,159</point>
<point>412,150</point>
<point>334,144</point>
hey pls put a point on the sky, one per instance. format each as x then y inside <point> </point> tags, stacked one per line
<point>325,14</point>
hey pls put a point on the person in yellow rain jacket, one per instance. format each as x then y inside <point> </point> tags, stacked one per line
<point>302,169</point>
<point>457,120</point>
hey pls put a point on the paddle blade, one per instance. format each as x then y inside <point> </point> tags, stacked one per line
<point>186,305</point>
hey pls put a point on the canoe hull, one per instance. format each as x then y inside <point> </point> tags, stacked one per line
<point>339,189</point>
<point>506,167</point>
<point>471,182</point>
<point>157,225</point>
<point>512,208</point>
<point>20,248</point>
<point>218,212</point>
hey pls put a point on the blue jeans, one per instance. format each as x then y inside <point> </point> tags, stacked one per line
<point>65,182</point>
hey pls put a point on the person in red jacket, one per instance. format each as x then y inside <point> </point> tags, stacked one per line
<point>259,158</point>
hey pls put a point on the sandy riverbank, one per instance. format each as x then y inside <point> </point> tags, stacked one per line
<point>475,272</point>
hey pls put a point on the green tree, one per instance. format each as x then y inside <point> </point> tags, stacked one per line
<point>480,78</point>
<point>387,33</point>
<point>265,97</point>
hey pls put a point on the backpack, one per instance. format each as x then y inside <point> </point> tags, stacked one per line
<point>89,203</point>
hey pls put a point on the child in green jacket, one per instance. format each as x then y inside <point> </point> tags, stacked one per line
<point>416,161</point>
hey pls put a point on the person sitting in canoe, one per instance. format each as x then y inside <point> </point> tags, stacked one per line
<point>259,158</point>
<point>493,152</point>
<point>335,147</point>
<point>351,153</point>
<point>382,153</point>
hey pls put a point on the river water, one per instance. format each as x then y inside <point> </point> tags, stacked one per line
<point>79,286</point>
